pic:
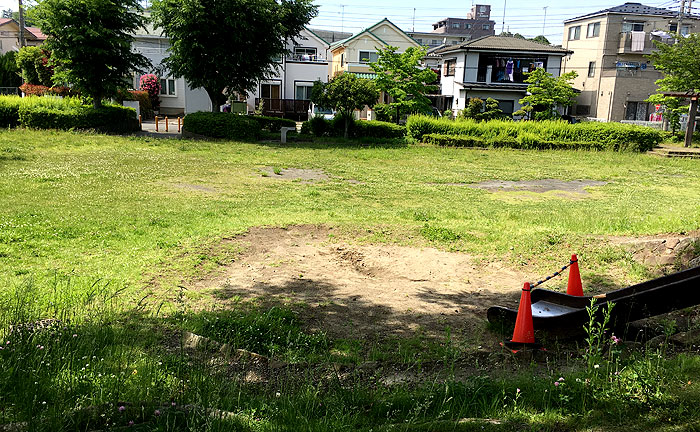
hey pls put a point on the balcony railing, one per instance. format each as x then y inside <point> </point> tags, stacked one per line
<point>306,58</point>
<point>288,108</point>
<point>645,46</point>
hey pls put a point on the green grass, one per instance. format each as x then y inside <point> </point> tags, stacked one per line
<point>99,232</point>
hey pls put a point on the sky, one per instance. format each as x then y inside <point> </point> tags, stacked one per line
<point>526,17</point>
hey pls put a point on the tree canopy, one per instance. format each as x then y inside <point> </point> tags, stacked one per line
<point>345,93</point>
<point>680,64</point>
<point>228,46</point>
<point>90,43</point>
<point>403,78</point>
<point>546,93</point>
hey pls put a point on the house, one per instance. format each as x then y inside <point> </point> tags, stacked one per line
<point>609,53</point>
<point>176,96</point>
<point>288,92</point>
<point>9,36</point>
<point>494,67</point>
<point>356,52</point>
<point>453,31</point>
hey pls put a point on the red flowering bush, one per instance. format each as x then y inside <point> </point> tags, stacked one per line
<point>40,90</point>
<point>151,84</point>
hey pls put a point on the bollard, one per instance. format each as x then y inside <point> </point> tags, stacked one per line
<point>179,124</point>
<point>156,123</point>
<point>140,124</point>
<point>166,123</point>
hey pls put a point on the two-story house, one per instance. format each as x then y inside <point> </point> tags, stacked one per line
<point>494,67</point>
<point>9,36</point>
<point>287,92</point>
<point>453,31</point>
<point>609,53</point>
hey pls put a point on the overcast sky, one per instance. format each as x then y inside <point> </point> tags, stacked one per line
<point>521,16</point>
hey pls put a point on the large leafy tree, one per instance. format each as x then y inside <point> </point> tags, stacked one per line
<point>228,46</point>
<point>345,93</point>
<point>90,43</point>
<point>403,78</point>
<point>545,93</point>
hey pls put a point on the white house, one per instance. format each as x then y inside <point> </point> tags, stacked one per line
<point>288,92</point>
<point>494,67</point>
<point>176,96</point>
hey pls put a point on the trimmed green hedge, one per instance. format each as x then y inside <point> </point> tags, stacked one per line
<point>544,134</point>
<point>273,124</point>
<point>222,125</point>
<point>65,113</point>
<point>525,141</point>
<point>319,127</point>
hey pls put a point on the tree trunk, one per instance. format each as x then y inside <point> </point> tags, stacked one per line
<point>215,99</point>
<point>397,114</point>
<point>691,122</point>
<point>347,125</point>
<point>97,102</point>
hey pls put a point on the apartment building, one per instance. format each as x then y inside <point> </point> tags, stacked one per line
<point>610,49</point>
<point>453,31</point>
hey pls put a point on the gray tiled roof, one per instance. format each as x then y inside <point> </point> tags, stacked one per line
<point>331,36</point>
<point>630,8</point>
<point>503,43</point>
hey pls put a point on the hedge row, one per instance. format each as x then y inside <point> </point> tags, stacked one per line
<point>320,127</point>
<point>608,136</point>
<point>273,124</point>
<point>222,125</point>
<point>525,141</point>
<point>67,113</point>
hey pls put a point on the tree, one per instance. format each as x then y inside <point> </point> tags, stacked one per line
<point>546,93</point>
<point>9,72</point>
<point>401,77</point>
<point>680,65</point>
<point>33,63</point>
<point>228,45</point>
<point>479,110</point>
<point>541,39</point>
<point>90,43</point>
<point>345,93</point>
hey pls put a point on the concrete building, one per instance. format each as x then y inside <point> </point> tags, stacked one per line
<point>176,96</point>
<point>453,31</point>
<point>288,92</point>
<point>609,53</point>
<point>9,36</point>
<point>493,67</point>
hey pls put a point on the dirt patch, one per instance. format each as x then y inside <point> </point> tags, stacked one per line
<point>306,175</point>
<point>350,290</point>
<point>538,186</point>
<point>195,187</point>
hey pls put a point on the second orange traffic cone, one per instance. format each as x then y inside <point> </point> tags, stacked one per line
<point>524,332</point>
<point>574,286</point>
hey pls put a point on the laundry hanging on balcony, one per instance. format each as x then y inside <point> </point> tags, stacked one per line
<point>638,40</point>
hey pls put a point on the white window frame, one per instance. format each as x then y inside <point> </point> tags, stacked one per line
<point>164,92</point>
<point>359,56</point>
<point>486,26</point>
<point>630,25</point>
<point>575,32</point>
<point>591,69</point>
<point>306,84</point>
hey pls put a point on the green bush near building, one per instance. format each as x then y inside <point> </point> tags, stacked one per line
<point>542,134</point>
<point>222,125</point>
<point>320,127</point>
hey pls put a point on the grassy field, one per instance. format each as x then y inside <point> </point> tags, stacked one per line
<point>100,231</point>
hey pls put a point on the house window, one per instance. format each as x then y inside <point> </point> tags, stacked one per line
<point>342,60</point>
<point>575,33</point>
<point>507,106</point>
<point>167,87</point>
<point>467,26</point>
<point>636,111</point>
<point>434,42</point>
<point>673,28</point>
<point>593,30</point>
<point>450,66</point>
<point>632,26</point>
<point>420,41</point>
<point>302,91</point>
<point>368,57</point>
<point>583,109</point>
<point>304,54</point>
<point>455,25</point>
<point>270,91</point>
<point>486,26</point>
<point>591,69</point>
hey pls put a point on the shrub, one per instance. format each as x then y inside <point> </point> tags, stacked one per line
<point>318,126</point>
<point>33,62</point>
<point>453,140</point>
<point>143,99</point>
<point>40,90</point>
<point>151,84</point>
<point>106,119</point>
<point>222,125</point>
<point>608,136</point>
<point>525,141</point>
<point>273,124</point>
<point>9,111</point>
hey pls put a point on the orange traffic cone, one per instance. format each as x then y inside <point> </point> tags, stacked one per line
<point>574,286</point>
<point>524,333</point>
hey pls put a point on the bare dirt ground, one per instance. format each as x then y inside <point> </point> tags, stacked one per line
<point>370,290</point>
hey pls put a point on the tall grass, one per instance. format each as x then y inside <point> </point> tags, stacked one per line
<point>611,136</point>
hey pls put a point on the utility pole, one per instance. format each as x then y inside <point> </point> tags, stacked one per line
<point>21,24</point>
<point>503,25</point>
<point>342,18</point>
<point>414,19</point>
<point>680,20</point>
<point>544,22</point>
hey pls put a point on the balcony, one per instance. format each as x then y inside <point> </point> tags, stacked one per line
<point>645,48</point>
<point>287,108</point>
<point>306,58</point>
